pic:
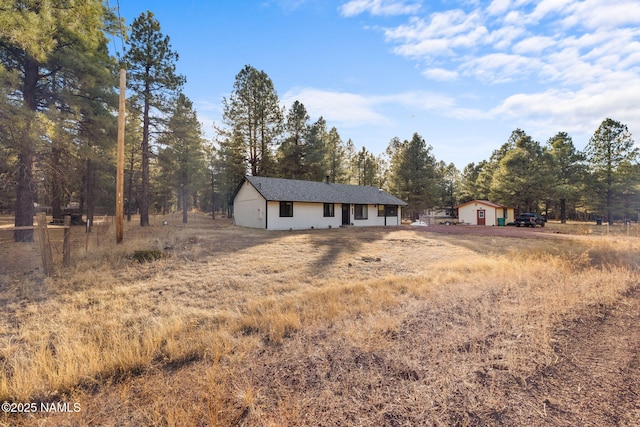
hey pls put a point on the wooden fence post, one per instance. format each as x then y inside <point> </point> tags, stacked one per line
<point>66,245</point>
<point>45,245</point>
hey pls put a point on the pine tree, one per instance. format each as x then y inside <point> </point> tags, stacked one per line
<point>151,74</point>
<point>567,170</point>
<point>133,156</point>
<point>45,47</point>
<point>448,177</point>
<point>412,173</point>
<point>292,152</point>
<point>253,118</point>
<point>230,166</point>
<point>610,153</point>
<point>184,153</point>
<point>522,178</point>
<point>365,168</point>
<point>316,162</point>
<point>336,159</point>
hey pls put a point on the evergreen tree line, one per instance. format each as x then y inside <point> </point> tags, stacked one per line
<point>58,123</point>
<point>600,182</point>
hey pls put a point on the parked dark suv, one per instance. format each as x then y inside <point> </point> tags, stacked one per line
<point>530,220</point>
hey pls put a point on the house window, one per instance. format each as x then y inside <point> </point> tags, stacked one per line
<point>286,209</point>
<point>360,212</point>
<point>329,210</point>
<point>387,210</point>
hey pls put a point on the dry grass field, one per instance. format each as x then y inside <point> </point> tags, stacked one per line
<point>224,326</point>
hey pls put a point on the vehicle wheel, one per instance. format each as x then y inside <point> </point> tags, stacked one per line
<point>517,224</point>
<point>542,224</point>
<point>533,225</point>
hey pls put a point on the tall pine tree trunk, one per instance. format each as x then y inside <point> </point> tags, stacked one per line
<point>26,158</point>
<point>24,197</point>
<point>56,184</point>
<point>144,199</point>
<point>185,204</point>
<point>89,192</point>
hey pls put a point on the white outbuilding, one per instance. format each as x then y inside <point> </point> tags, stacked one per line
<point>484,212</point>
<point>289,204</point>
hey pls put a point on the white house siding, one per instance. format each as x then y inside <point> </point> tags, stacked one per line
<point>375,220</point>
<point>305,216</point>
<point>491,215</point>
<point>468,213</point>
<point>372,217</point>
<point>249,207</point>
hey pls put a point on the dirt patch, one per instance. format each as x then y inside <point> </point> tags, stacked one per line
<point>478,230</point>
<point>596,379</point>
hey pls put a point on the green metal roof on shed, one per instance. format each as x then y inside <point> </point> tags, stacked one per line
<point>293,190</point>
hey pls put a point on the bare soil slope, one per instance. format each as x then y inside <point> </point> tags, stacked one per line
<point>596,381</point>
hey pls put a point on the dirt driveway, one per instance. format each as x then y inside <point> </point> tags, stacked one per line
<point>480,230</point>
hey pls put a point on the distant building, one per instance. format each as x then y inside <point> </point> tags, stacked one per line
<point>283,204</point>
<point>484,212</point>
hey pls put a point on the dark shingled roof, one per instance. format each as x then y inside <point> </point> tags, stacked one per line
<point>293,190</point>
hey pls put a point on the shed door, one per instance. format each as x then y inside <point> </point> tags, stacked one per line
<point>481,220</point>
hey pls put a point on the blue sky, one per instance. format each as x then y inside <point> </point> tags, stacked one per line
<point>463,74</point>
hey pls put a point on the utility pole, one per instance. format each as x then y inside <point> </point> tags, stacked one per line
<point>120,163</point>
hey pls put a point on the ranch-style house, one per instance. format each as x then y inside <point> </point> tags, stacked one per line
<point>289,204</point>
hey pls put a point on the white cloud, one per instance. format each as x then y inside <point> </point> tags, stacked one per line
<point>379,7</point>
<point>533,45</point>
<point>502,38</point>
<point>352,110</point>
<point>440,25</point>
<point>601,14</point>
<point>549,7</point>
<point>440,74</point>
<point>500,67</point>
<point>442,33</point>
<point>578,112</point>
<point>348,109</point>
<point>498,7</point>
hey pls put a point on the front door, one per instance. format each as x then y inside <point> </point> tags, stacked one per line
<point>346,207</point>
<point>481,220</point>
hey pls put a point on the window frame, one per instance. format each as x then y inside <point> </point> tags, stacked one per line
<point>286,209</point>
<point>387,211</point>
<point>363,214</point>
<point>329,210</point>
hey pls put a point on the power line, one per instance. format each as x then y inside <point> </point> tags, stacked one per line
<point>121,33</point>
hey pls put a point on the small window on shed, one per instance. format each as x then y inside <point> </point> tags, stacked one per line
<point>329,210</point>
<point>286,209</point>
